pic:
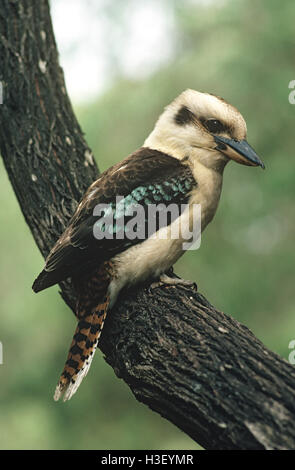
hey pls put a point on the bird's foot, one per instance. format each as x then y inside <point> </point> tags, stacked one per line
<point>171,281</point>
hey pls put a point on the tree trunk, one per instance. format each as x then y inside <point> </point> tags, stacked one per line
<point>46,157</point>
<point>196,366</point>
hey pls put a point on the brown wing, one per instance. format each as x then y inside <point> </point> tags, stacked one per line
<point>145,177</point>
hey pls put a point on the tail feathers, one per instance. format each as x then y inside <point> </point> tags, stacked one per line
<point>82,351</point>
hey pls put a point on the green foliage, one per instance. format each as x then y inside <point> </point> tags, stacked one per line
<point>243,51</point>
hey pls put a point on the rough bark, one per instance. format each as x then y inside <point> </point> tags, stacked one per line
<point>201,369</point>
<point>46,157</point>
<point>196,366</point>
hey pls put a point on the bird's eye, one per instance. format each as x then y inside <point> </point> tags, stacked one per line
<point>214,126</point>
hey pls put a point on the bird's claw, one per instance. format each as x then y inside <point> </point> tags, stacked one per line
<point>171,281</point>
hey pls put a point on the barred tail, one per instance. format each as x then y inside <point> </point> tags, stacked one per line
<point>82,351</point>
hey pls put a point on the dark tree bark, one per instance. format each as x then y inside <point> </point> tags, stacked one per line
<point>196,366</point>
<point>46,157</point>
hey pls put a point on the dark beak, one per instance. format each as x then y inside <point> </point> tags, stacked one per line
<point>238,150</point>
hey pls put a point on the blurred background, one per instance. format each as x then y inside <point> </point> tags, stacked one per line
<point>123,62</point>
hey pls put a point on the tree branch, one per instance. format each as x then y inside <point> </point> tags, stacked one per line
<point>196,366</point>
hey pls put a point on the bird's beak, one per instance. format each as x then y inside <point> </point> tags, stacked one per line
<point>238,150</point>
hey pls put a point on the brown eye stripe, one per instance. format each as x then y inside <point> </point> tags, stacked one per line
<point>184,116</point>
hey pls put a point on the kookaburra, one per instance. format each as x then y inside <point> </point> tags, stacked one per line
<point>181,162</point>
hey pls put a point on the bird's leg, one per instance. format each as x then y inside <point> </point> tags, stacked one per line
<point>174,281</point>
<point>171,281</point>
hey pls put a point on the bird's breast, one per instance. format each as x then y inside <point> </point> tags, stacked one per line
<point>157,254</point>
<point>207,192</point>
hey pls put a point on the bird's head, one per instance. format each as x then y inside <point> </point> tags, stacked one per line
<point>205,127</point>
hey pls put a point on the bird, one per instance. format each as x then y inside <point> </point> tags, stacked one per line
<point>181,162</point>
